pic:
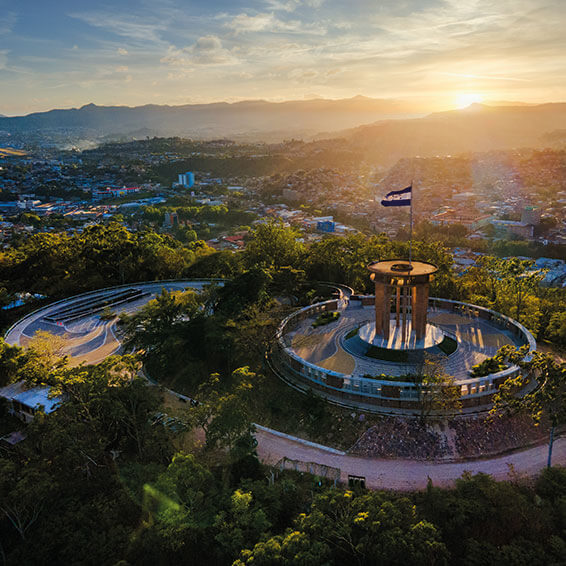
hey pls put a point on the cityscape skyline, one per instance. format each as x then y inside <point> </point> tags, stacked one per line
<point>439,54</point>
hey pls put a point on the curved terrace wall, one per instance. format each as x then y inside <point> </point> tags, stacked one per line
<point>386,394</point>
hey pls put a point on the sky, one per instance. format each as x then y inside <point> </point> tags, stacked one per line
<point>440,54</point>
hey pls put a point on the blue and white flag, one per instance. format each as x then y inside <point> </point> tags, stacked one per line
<point>398,198</point>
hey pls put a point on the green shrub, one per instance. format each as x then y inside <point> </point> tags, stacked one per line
<point>488,366</point>
<point>352,333</point>
<point>326,318</point>
<point>448,345</point>
<point>387,355</point>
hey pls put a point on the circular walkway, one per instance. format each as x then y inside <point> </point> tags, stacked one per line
<point>89,339</point>
<point>335,347</point>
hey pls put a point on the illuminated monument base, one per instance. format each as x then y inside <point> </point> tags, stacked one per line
<point>394,340</point>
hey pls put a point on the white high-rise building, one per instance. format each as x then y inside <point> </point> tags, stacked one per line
<point>187,179</point>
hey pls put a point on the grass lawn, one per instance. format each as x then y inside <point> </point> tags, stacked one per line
<point>352,333</point>
<point>448,345</point>
<point>325,318</point>
<point>279,406</point>
<point>387,355</point>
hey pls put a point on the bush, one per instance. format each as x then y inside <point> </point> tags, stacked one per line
<point>326,318</point>
<point>387,355</point>
<point>488,366</point>
<point>448,345</point>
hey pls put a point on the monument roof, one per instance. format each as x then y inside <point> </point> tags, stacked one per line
<point>402,267</point>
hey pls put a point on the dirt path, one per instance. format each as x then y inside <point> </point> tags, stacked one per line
<point>410,474</point>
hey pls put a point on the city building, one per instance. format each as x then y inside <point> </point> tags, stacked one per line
<point>24,402</point>
<point>326,226</point>
<point>187,179</point>
<point>531,215</point>
<point>111,192</point>
<point>506,228</point>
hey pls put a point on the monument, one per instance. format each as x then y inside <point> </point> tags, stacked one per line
<point>401,305</point>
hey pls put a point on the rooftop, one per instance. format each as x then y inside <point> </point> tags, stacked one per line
<point>402,267</point>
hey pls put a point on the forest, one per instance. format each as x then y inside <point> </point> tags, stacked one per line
<point>103,480</point>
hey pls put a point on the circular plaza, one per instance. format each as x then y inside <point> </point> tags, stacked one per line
<point>89,336</point>
<point>369,352</point>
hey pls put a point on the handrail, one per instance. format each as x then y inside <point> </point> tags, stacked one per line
<point>96,291</point>
<point>404,385</point>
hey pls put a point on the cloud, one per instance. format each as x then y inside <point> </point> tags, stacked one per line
<point>261,22</point>
<point>7,21</point>
<point>207,50</point>
<point>303,75</point>
<point>138,28</point>
<point>277,5</point>
<point>122,51</point>
<point>292,5</point>
<point>122,69</point>
<point>485,77</point>
<point>264,22</point>
<point>3,58</point>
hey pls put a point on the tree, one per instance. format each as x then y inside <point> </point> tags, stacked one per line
<point>253,332</point>
<point>439,395</point>
<point>294,548</point>
<point>507,285</point>
<point>107,412</point>
<point>547,398</point>
<point>11,360</point>
<point>182,506</point>
<point>155,327</point>
<point>272,245</point>
<point>251,287</point>
<point>241,524</point>
<point>42,359</point>
<point>556,329</point>
<point>24,493</point>
<point>226,417</point>
<point>372,528</point>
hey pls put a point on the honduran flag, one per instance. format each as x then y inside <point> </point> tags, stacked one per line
<point>398,198</point>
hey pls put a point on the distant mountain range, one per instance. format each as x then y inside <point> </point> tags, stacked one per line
<point>257,119</point>
<point>379,129</point>
<point>475,128</point>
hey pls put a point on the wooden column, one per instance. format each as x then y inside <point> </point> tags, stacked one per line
<point>404,303</point>
<point>420,305</point>
<point>382,309</point>
<point>386,310</point>
<point>379,294</point>
<point>415,312</point>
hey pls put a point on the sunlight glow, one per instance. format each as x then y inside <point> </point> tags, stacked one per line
<point>465,99</point>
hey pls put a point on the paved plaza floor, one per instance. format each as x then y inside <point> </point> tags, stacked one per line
<point>331,346</point>
<point>90,339</point>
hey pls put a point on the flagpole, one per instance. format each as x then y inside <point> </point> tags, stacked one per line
<point>411,227</point>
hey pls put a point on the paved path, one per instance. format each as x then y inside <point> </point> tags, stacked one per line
<point>408,475</point>
<point>477,340</point>
<point>89,339</point>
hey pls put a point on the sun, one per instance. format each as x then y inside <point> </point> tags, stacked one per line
<point>465,99</point>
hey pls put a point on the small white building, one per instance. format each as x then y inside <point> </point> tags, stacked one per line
<point>24,401</point>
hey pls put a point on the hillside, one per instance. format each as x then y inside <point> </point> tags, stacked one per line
<point>476,128</point>
<point>252,119</point>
